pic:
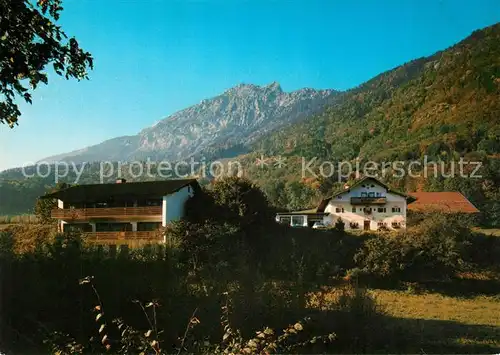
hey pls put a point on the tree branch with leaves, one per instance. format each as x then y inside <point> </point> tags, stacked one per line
<point>31,41</point>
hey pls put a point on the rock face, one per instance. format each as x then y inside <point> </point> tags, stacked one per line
<point>221,126</point>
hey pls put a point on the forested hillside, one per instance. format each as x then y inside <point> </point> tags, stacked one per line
<point>446,104</point>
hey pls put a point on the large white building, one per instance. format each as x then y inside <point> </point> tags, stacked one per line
<point>368,204</point>
<point>122,212</point>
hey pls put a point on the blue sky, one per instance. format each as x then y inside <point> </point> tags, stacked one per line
<point>153,58</point>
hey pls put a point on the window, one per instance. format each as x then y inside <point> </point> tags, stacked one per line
<point>148,226</point>
<point>113,204</point>
<point>298,221</point>
<point>154,202</point>
<point>373,185</point>
<point>113,227</point>
<point>128,203</point>
<point>381,210</point>
<point>77,227</point>
<point>339,197</point>
<point>147,203</point>
<point>396,225</point>
<point>396,209</point>
<point>371,194</point>
<point>382,225</point>
<point>285,220</point>
<point>338,210</point>
<point>364,194</point>
<point>354,210</point>
<point>354,225</point>
<point>378,194</point>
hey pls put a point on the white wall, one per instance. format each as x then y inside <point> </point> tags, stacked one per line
<point>304,222</point>
<point>164,211</point>
<point>134,226</point>
<point>343,201</point>
<point>173,205</point>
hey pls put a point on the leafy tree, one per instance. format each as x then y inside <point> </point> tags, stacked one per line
<point>240,201</point>
<point>30,40</point>
<point>43,207</point>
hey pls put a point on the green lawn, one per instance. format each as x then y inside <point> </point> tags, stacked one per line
<point>489,231</point>
<point>436,323</point>
<point>442,322</point>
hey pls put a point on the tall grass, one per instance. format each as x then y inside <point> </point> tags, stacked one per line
<point>21,219</point>
<point>41,296</point>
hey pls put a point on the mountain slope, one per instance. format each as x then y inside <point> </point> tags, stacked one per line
<point>224,124</point>
<point>444,104</point>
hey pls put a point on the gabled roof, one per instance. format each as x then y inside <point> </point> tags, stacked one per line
<point>448,202</point>
<point>358,182</point>
<point>148,189</point>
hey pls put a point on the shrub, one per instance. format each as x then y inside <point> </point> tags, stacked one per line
<point>208,248</point>
<point>339,225</point>
<point>435,248</point>
<point>482,250</point>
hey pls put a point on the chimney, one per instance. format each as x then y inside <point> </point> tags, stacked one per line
<point>121,181</point>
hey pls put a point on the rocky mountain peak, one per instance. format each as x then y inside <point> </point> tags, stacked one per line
<point>234,118</point>
<point>274,86</point>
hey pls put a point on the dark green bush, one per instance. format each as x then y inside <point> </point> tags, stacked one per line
<point>433,249</point>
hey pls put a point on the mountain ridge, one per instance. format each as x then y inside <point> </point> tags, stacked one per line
<point>229,120</point>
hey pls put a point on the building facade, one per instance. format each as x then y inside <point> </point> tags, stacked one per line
<point>368,204</point>
<point>122,212</point>
<point>303,218</point>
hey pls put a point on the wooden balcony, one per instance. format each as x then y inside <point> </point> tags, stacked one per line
<point>124,237</point>
<point>107,213</point>
<point>368,200</point>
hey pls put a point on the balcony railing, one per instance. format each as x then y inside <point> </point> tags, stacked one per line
<point>124,237</point>
<point>89,213</point>
<point>368,200</point>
